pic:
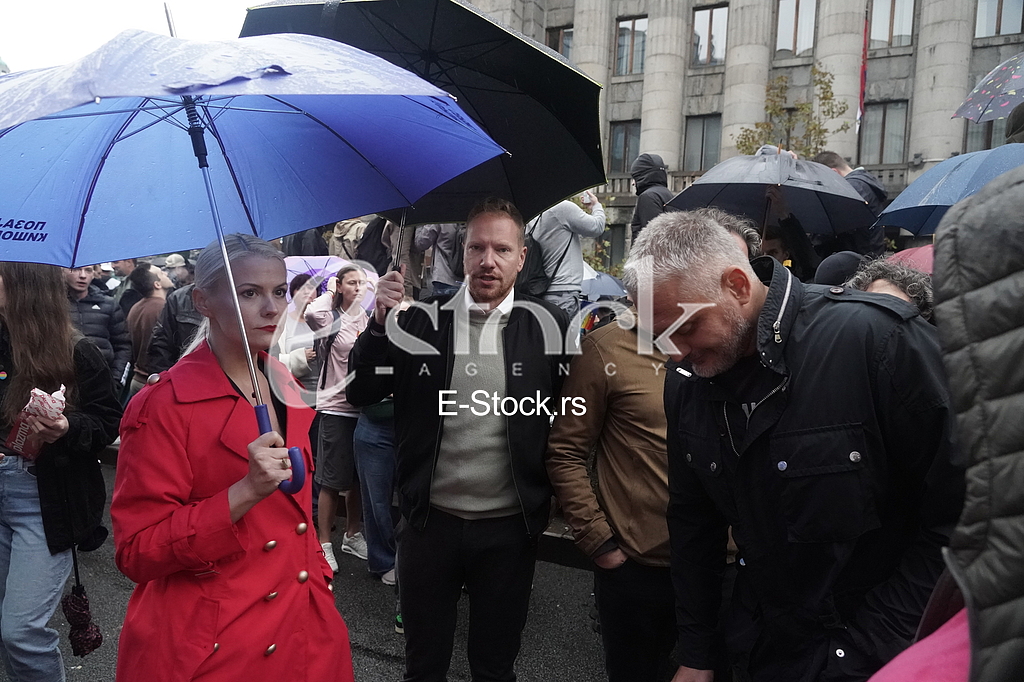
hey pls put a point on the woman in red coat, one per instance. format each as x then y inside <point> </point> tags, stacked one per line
<point>232,583</point>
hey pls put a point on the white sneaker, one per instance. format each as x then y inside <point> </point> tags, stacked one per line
<point>354,545</point>
<point>332,561</point>
<point>388,578</point>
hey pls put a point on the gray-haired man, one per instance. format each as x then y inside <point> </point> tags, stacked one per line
<point>815,422</point>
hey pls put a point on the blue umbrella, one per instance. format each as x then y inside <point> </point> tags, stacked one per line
<point>920,207</point>
<point>597,284</point>
<point>99,156</point>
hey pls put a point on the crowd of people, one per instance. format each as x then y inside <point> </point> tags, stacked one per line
<point>757,450</point>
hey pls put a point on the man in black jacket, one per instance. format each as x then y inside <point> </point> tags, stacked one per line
<point>174,329</point>
<point>815,422</point>
<point>470,389</point>
<point>866,240</point>
<point>650,174</point>
<point>99,318</point>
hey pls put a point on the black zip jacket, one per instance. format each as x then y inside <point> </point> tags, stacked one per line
<point>100,319</point>
<point>416,381</point>
<point>174,329</point>
<point>840,493</point>
<point>71,489</point>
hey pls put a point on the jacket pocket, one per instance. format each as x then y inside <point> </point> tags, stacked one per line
<point>193,650</point>
<point>702,454</point>
<point>825,483</point>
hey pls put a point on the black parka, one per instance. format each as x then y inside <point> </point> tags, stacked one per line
<point>100,319</point>
<point>840,497</point>
<point>416,380</point>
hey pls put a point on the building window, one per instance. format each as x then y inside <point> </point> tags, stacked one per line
<point>702,143</point>
<point>631,46</point>
<point>625,145</point>
<point>892,23</point>
<point>987,135</point>
<point>560,40</point>
<point>883,133</point>
<point>998,17</point>
<point>709,35</point>
<point>796,28</point>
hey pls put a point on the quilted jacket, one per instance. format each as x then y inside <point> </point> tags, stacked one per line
<point>979,295</point>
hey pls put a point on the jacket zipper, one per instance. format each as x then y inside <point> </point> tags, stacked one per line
<point>758,404</point>
<point>777,325</point>
<point>440,424</point>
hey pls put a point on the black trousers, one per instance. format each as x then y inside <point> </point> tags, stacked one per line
<point>638,621</point>
<point>494,559</point>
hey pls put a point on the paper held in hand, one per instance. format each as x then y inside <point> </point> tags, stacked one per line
<point>22,439</point>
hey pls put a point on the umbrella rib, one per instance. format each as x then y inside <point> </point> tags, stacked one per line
<point>57,117</point>
<point>167,117</point>
<point>358,152</point>
<point>231,170</point>
<point>92,185</point>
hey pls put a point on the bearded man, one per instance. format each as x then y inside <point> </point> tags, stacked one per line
<point>814,421</point>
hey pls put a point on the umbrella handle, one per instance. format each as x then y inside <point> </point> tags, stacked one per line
<point>298,478</point>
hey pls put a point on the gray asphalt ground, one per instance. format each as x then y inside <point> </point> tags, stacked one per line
<point>558,643</point>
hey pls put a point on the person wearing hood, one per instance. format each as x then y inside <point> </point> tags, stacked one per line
<point>651,177</point>
<point>868,240</point>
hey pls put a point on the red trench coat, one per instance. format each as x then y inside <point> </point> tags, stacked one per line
<point>216,600</point>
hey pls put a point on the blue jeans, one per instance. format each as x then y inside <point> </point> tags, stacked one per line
<point>374,445</point>
<point>31,579</point>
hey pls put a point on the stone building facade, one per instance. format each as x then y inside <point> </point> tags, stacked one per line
<point>683,77</point>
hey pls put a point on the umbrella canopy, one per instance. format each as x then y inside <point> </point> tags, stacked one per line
<point>323,268</point>
<point>920,207</point>
<point>919,258</point>
<point>526,96</point>
<point>597,284</point>
<point>820,198</point>
<point>997,94</point>
<point>300,131</point>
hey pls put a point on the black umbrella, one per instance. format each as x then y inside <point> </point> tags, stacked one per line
<point>821,200</point>
<point>527,97</point>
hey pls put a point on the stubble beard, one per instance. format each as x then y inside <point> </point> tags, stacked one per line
<point>729,353</point>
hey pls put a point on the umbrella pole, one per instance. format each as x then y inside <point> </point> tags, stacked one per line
<point>195,131</point>
<point>396,262</point>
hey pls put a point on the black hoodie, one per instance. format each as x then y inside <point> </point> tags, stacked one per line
<point>651,177</point>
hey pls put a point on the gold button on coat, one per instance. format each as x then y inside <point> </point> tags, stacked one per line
<point>270,596</point>
<point>301,528</point>
<point>270,649</point>
<point>270,545</point>
<point>303,576</point>
<point>216,645</point>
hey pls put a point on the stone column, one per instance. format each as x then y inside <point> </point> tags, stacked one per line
<point>839,48</point>
<point>592,33</point>
<point>661,119</point>
<point>941,80</point>
<point>748,54</point>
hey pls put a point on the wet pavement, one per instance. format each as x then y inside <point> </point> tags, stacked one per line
<point>559,642</point>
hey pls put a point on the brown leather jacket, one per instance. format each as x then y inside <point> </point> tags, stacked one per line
<point>625,419</point>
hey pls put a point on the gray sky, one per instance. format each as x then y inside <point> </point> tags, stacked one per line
<point>35,34</point>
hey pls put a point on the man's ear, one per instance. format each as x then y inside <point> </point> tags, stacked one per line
<point>736,282</point>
